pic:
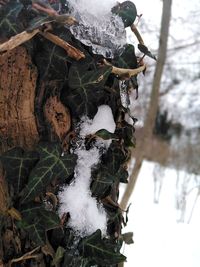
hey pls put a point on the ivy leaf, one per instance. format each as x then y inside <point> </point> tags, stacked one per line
<point>85,90</point>
<point>128,238</point>
<point>128,59</point>
<point>36,220</point>
<point>35,230</point>
<point>127,11</point>
<point>10,23</point>
<point>52,60</point>
<point>50,165</point>
<point>100,250</point>
<point>18,164</point>
<point>106,135</point>
<point>146,51</point>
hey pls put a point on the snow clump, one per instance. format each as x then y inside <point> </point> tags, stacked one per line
<point>86,215</point>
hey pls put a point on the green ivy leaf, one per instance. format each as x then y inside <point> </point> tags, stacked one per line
<point>146,51</point>
<point>128,59</point>
<point>127,11</point>
<point>50,165</point>
<point>18,164</point>
<point>52,60</point>
<point>36,220</point>
<point>100,250</point>
<point>86,89</point>
<point>106,135</point>
<point>10,23</point>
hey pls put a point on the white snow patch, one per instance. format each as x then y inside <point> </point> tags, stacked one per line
<point>98,27</point>
<point>102,120</point>
<point>86,215</point>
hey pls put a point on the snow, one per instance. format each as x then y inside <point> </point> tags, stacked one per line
<point>159,239</point>
<point>86,215</point>
<point>98,27</point>
<point>102,120</point>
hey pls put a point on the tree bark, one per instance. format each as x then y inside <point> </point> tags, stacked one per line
<point>154,100</point>
<point>18,77</point>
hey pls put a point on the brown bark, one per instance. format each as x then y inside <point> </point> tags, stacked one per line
<point>18,78</point>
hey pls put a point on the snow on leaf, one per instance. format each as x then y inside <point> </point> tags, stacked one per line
<point>50,166</point>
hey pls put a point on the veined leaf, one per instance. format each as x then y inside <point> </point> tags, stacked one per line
<point>18,164</point>
<point>86,89</point>
<point>9,23</point>
<point>100,250</point>
<point>127,11</point>
<point>50,165</point>
<point>35,230</point>
<point>36,220</point>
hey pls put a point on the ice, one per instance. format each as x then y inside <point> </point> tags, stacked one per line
<point>98,27</point>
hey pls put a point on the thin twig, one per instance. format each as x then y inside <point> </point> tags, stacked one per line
<point>137,34</point>
<point>17,40</point>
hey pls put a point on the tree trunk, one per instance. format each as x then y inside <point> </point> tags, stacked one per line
<point>154,100</point>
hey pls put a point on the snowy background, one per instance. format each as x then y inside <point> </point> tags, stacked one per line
<point>161,239</point>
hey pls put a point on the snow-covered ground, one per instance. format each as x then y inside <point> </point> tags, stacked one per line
<point>159,240</point>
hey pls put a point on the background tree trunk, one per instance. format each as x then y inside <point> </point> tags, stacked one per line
<point>154,100</point>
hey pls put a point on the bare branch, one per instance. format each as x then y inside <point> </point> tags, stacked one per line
<point>17,40</point>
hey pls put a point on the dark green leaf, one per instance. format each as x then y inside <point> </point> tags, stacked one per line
<point>105,135</point>
<point>35,230</point>
<point>9,21</point>
<point>36,220</point>
<point>126,132</point>
<point>85,89</point>
<point>52,60</point>
<point>128,59</point>
<point>127,11</point>
<point>128,238</point>
<point>50,166</point>
<point>100,250</point>
<point>146,51</point>
<point>18,164</point>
